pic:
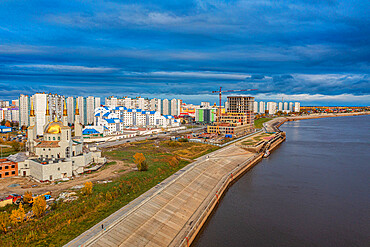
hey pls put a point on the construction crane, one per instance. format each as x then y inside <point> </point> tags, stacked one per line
<point>228,91</point>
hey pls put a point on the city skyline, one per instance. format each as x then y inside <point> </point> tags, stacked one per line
<point>313,52</point>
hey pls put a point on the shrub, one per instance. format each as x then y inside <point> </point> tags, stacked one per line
<point>17,215</point>
<point>39,206</point>
<point>183,140</point>
<point>140,162</point>
<point>87,189</point>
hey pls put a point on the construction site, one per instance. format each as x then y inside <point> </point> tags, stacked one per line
<point>238,120</point>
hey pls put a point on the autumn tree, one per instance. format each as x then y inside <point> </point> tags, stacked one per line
<point>87,189</point>
<point>39,206</point>
<point>27,198</point>
<point>4,221</point>
<point>18,214</point>
<point>140,162</point>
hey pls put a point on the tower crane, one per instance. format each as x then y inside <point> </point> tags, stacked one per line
<point>228,91</point>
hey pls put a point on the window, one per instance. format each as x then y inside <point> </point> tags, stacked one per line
<point>7,173</point>
<point>59,138</point>
<point>6,167</point>
<point>13,172</point>
<point>49,149</point>
<point>13,166</point>
<point>43,149</point>
<point>53,138</point>
<point>1,167</point>
<point>51,177</point>
<point>58,168</point>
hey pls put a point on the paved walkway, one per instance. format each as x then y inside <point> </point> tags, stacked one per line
<point>161,216</point>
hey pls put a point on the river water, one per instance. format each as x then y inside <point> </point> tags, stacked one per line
<point>314,190</point>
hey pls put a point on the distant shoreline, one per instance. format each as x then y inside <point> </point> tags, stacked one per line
<point>274,124</point>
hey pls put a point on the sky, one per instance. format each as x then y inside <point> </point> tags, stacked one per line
<point>313,51</point>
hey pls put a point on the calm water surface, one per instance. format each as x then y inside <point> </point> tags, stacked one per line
<point>314,190</point>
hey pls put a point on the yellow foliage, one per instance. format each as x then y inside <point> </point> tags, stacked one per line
<point>87,189</point>
<point>108,196</point>
<point>17,214</point>
<point>140,162</point>
<point>27,197</point>
<point>4,221</point>
<point>39,206</point>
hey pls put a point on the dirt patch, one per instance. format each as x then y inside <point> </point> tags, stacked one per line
<point>107,172</point>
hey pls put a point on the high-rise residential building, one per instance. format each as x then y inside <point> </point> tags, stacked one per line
<point>140,103</point>
<point>4,103</point>
<point>262,107</point>
<point>165,107</point>
<point>175,107</point>
<point>24,110</point>
<point>10,114</point>
<point>39,104</point>
<point>97,102</point>
<point>81,101</point>
<point>297,107</point>
<point>271,107</point>
<point>291,105</point>
<point>70,109</point>
<point>255,106</point>
<point>280,108</point>
<point>90,107</point>
<point>56,103</point>
<point>155,105</point>
<point>285,106</point>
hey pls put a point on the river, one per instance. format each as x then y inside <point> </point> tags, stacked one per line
<point>314,190</point>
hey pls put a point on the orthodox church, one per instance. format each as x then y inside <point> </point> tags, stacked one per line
<point>57,154</point>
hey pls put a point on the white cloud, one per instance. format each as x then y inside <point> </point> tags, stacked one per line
<point>73,68</point>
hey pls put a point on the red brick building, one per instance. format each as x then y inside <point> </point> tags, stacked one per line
<point>8,168</point>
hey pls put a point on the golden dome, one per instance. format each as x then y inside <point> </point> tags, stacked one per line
<point>54,127</point>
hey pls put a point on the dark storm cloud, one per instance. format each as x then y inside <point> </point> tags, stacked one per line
<point>184,47</point>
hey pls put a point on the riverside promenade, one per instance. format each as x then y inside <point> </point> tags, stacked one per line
<point>172,213</point>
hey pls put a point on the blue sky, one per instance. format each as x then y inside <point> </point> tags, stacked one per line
<point>314,51</point>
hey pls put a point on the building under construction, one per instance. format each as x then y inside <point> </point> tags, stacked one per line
<point>238,120</point>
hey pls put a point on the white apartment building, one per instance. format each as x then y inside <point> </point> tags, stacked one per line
<point>297,107</point>
<point>70,109</point>
<point>285,106</point>
<point>291,105</point>
<point>175,107</point>
<point>24,110</point>
<point>255,107</point>
<point>280,108</point>
<point>271,107</point>
<point>39,104</point>
<point>261,107</point>
<point>165,107</point>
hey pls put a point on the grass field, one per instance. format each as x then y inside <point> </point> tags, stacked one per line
<point>258,122</point>
<point>67,220</point>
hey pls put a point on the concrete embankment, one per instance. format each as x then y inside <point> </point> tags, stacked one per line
<point>212,201</point>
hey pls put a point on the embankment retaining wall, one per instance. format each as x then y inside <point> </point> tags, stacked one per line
<point>213,199</point>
